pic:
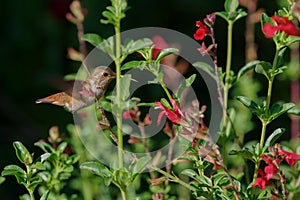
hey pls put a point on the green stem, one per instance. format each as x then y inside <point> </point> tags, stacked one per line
<point>119,100</point>
<point>176,179</point>
<point>228,67</point>
<point>166,90</point>
<point>263,134</point>
<point>123,193</point>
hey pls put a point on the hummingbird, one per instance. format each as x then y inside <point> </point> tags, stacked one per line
<point>80,94</point>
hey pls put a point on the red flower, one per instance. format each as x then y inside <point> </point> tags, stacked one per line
<point>129,114</point>
<point>283,24</point>
<point>271,168</point>
<point>160,44</point>
<point>201,32</point>
<point>261,181</point>
<point>175,115</point>
<point>289,157</point>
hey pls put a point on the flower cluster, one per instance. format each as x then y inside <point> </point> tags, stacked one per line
<point>203,29</point>
<point>281,24</point>
<point>272,170</point>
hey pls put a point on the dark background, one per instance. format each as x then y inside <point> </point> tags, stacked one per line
<point>34,38</point>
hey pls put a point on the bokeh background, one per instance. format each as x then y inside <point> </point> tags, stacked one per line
<point>34,39</point>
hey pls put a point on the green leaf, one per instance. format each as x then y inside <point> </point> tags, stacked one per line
<point>13,170</point>
<point>97,169</point>
<point>205,67</point>
<point>294,111</point>
<point>134,46</point>
<point>141,164</point>
<point>278,109</point>
<point>133,64</point>
<point>107,46</point>
<point>231,5</point>
<point>22,153</point>
<point>38,166</point>
<point>292,39</point>
<point>166,103</point>
<point>47,148</point>
<point>125,86</point>
<point>2,179</point>
<point>186,83</point>
<point>165,52</point>
<point>280,60</point>
<point>25,197</point>
<point>265,19</point>
<point>273,137</point>
<point>251,105</point>
<point>264,68</point>
<point>245,153</point>
<point>202,179</point>
<point>106,105</point>
<point>249,66</point>
<point>92,38</point>
<point>45,195</point>
<point>62,147</point>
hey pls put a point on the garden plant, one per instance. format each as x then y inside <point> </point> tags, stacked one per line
<point>162,119</point>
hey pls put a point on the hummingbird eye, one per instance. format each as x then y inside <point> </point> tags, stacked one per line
<point>105,74</point>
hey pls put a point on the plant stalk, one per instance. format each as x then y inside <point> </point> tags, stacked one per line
<point>228,67</point>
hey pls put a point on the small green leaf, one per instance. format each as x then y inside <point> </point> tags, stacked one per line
<point>141,164</point>
<point>97,169</point>
<point>38,166</point>
<point>22,153</point>
<point>294,111</point>
<point>265,19</point>
<point>292,39</point>
<point>45,195</point>
<point>125,86</point>
<point>264,68</point>
<point>62,147</point>
<point>25,197</point>
<point>273,137</point>
<point>47,148</point>
<point>205,67</point>
<point>133,64</point>
<point>251,105</point>
<point>249,66</point>
<point>166,103</point>
<point>185,84</point>
<point>202,179</point>
<point>2,179</point>
<point>13,170</point>
<point>278,109</point>
<point>231,5</point>
<point>165,52</point>
<point>245,153</point>
<point>92,38</point>
<point>137,45</point>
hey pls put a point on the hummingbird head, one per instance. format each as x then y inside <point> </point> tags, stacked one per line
<point>100,79</point>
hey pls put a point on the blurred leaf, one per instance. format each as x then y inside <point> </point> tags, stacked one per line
<point>70,77</point>
<point>273,137</point>
<point>245,153</point>
<point>292,39</point>
<point>25,197</point>
<point>107,46</point>
<point>22,153</point>
<point>231,5</point>
<point>294,111</point>
<point>92,38</point>
<point>141,164</point>
<point>2,179</point>
<point>38,166</point>
<point>280,59</point>
<point>44,157</point>
<point>249,66</point>
<point>165,52</point>
<point>45,195</point>
<point>97,169</point>
<point>265,19</point>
